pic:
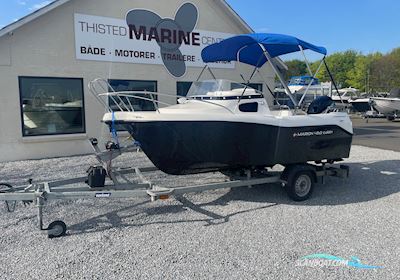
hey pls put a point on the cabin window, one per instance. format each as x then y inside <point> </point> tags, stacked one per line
<point>134,88</point>
<point>249,107</point>
<point>51,106</point>
<point>182,88</point>
<point>256,86</point>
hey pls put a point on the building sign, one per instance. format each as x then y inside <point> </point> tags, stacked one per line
<point>144,37</point>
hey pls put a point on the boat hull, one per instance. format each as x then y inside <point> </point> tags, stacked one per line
<point>386,106</point>
<point>361,106</point>
<point>189,147</point>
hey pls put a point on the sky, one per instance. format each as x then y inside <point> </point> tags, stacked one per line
<point>12,10</point>
<point>362,25</point>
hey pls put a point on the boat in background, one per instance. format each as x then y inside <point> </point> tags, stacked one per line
<point>50,117</point>
<point>345,95</point>
<point>361,105</point>
<point>300,83</point>
<point>302,87</point>
<point>388,106</point>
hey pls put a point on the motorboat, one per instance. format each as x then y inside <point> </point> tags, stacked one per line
<point>69,112</point>
<point>361,105</point>
<point>304,87</point>
<point>388,106</point>
<point>62,115</point>
<point>300,83</point>
<point>345,95</point>
<point>223,125</point>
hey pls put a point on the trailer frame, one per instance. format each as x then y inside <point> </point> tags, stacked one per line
<point>115,188</point>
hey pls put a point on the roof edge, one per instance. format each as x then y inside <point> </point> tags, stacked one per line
<point>32,16</point>
<point>36,14</point>
<point>237,16</point>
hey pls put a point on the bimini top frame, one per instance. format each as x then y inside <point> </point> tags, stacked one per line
<point>260,48</point>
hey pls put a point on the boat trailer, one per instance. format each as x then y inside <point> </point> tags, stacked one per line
<point>298,180</point>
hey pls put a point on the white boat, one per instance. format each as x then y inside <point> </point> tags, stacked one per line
<point>223,126</point>
<point>388,106</point>
<point>345,95</point>
<point>299,84</point>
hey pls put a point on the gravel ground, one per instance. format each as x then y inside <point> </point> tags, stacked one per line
<point>243,233</point>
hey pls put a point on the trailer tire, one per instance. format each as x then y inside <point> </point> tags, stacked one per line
<point>299,182</point>
<point>57,229</point>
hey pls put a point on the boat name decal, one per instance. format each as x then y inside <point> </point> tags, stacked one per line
<point>313,133</point>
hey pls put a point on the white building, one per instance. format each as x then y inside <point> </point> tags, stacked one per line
<point>48,58</point>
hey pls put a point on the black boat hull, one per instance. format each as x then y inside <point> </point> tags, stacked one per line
<point>190,147</point>
<point>361,107</point>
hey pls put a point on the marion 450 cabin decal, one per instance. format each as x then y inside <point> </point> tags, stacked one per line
<point>313,133</point>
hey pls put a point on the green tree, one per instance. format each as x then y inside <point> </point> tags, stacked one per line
<point>295,68</point>
<point>385,72</point>
<point>359,76</point>
<point>340,64</point>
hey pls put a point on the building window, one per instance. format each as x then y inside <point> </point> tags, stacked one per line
<point>51,106</point>
<point>182,88</point>
<point>257,87</point>
<point>136,103</point>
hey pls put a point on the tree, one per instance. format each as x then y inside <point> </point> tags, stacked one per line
<point>373,72</point>
<point>339,64</point>
<point>385,72</point>
<point>295,68</point>
<point>359,76</point>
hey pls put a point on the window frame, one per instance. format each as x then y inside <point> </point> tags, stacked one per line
<point>20,78</point>
<point>126,80</point>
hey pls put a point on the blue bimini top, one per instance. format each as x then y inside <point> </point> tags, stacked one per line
<point>246,49</point>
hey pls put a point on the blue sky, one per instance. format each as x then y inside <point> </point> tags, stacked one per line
<point>11,10</point>
<point>361,25</point>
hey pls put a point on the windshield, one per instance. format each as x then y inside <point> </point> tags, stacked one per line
<point>221,87</point>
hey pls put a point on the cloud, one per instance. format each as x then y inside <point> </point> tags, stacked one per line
<point>22,3</point>
<point>40,5</point>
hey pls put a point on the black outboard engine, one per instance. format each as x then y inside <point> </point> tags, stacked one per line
<point>319,105</point>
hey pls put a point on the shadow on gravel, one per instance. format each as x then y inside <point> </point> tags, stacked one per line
<point>115,219</point>
<point>367,182</point>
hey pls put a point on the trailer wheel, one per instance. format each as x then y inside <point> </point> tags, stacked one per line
<point>300,183</point>
<point>57,229</point>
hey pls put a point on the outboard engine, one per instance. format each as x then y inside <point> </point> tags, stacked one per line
<point>319,105</point>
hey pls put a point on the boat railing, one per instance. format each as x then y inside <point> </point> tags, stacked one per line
<point>212,103</point>
<point>102,90</point>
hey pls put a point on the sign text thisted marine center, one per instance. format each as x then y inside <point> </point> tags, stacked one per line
<point>109,39</point>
